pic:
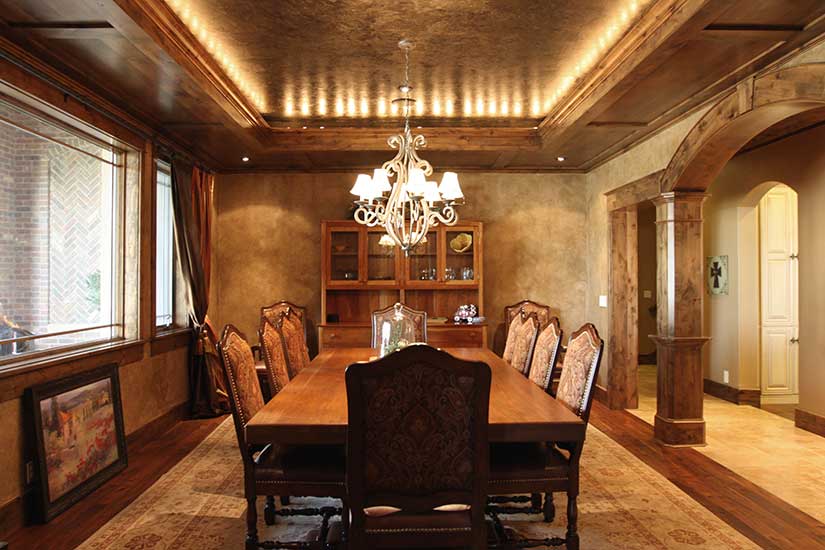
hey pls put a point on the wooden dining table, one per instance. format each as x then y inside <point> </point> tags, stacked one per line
<point>312,408</point>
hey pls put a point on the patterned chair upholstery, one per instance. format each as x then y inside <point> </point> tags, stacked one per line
<point>274,352</point>
<point>521,339</point>
<point>273,311</point>
<point>303,470</point>
<point>292,329</point>
<point>544,365</point>
<point>519,468</point>
<point>528,306</point>
<point>417,446</point>
<point>417,318</point>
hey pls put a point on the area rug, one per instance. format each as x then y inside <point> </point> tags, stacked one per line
<point>625,504</point>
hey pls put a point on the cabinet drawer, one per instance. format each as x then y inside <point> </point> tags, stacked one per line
<point>345,337</point>
<point>455,336</point>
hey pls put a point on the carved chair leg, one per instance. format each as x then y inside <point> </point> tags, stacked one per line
<point>251,523</point>
<point>535,501</point>
<point>269,510</point>
<point>572,519</point>
<point>284,500</point>
<point>549,509</point>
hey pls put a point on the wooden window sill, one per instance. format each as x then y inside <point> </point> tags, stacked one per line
<point>16,377</point>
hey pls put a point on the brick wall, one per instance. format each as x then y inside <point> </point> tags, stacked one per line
<point>55,227</point>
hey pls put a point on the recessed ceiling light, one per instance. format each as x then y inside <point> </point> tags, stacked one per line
<point>245,159</point>
<point>560,159</point>
<point>321,127</point>
<point>419,127</point>
<point>535,127</point>
<point>303,127</point>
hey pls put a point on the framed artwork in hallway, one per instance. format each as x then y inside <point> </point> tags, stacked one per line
<point>716,270</point>
<point>78,437</point>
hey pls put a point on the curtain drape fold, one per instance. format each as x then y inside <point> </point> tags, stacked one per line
<point>192,203</point>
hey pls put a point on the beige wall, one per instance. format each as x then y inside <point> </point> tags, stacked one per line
<point>798,162</point>
<point>267,241</point>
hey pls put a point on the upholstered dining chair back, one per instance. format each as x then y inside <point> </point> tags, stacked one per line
<point>521,340</point>
<point>272,311</point>
<point>245,394</point>
<point>527,306</point>
<point>274,352</point>
<point>418,319</point>
<point>544,364</point>
<point>417,433</point>
<point>581,366</point>
<point>292,330</point>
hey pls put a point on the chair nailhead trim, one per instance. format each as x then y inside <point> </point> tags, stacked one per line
<point>422,530</point>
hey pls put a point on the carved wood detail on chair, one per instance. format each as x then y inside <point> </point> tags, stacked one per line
<point>414,316</point>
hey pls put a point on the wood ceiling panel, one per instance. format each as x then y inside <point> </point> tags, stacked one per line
<point>788,127</point>
<point>683,75</point>
<point>795,13</point>
<point>585,143</point>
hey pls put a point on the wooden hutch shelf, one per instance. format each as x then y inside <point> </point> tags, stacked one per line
<point>360,275</point>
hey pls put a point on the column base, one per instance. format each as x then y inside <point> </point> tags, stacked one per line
<point>674,432</point>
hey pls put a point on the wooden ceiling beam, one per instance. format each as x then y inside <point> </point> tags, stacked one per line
<point>367,139</point>
<point>160,23</point>
<point>74,30</point>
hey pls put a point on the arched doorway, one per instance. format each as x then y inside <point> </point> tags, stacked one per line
<point>732,122</point>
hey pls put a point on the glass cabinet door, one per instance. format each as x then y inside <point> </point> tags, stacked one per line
<point>344,264</point>
<point>460,262</point>
<point>381,258</point>
<point>422,263</point>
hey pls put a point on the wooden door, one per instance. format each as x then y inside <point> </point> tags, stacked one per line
<point>779,327</point>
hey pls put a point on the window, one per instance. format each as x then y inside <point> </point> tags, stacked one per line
<point>164,255</point>
<point>61,237</point>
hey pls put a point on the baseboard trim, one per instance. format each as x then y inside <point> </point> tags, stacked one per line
<point>809,421</point>
<point>161,424</point>
<point>12,516</point>
<point>734,395</point>
<point>600,394</point>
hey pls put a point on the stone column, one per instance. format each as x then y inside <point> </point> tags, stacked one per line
<point>680,287</point>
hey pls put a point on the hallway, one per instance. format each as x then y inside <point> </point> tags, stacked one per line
<point>763,447</point>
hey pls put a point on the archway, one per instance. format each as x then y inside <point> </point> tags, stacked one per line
<point>751,108</point>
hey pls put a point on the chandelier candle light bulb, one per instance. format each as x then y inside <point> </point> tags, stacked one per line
<point>414,205</point>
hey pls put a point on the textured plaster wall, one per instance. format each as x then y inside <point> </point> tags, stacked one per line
<point>267,241</point>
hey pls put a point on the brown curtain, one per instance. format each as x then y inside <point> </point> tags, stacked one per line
<point>192,202</point>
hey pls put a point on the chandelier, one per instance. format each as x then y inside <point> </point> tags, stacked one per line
<point>414,204</point>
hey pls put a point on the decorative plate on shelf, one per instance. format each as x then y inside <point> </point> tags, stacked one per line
<point>462,242</point>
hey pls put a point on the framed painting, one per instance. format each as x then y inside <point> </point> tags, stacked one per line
<point>716,269</point>
<point>78,435</point>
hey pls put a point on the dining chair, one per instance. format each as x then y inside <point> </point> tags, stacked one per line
<point>521,340</point>
<point>418,320</point>
<point>417,450</point>
<point>544,366</point>
<point>272,311</point>
<point>273,470</point>
<point>527,306</point>
<point>554,466</point>
<point>274,353</point>
<point>292,328</point>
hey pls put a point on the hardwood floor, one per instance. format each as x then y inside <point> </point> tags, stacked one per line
<point>759,515</point>
<point>762,517</point>
<point>150,457</point>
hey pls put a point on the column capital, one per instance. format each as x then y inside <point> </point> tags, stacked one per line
<point>680,196</point>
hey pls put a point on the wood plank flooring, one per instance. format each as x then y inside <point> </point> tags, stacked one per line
<point>765,519</point>
<point>150,457</point>
<point>759,515</point>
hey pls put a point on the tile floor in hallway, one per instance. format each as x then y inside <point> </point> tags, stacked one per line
<point>763,447</point>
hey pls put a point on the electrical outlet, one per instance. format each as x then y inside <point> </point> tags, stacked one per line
<point>726,376</point>
<point>647,293</point>
<point>29,472</point>
<point>602,301</point>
